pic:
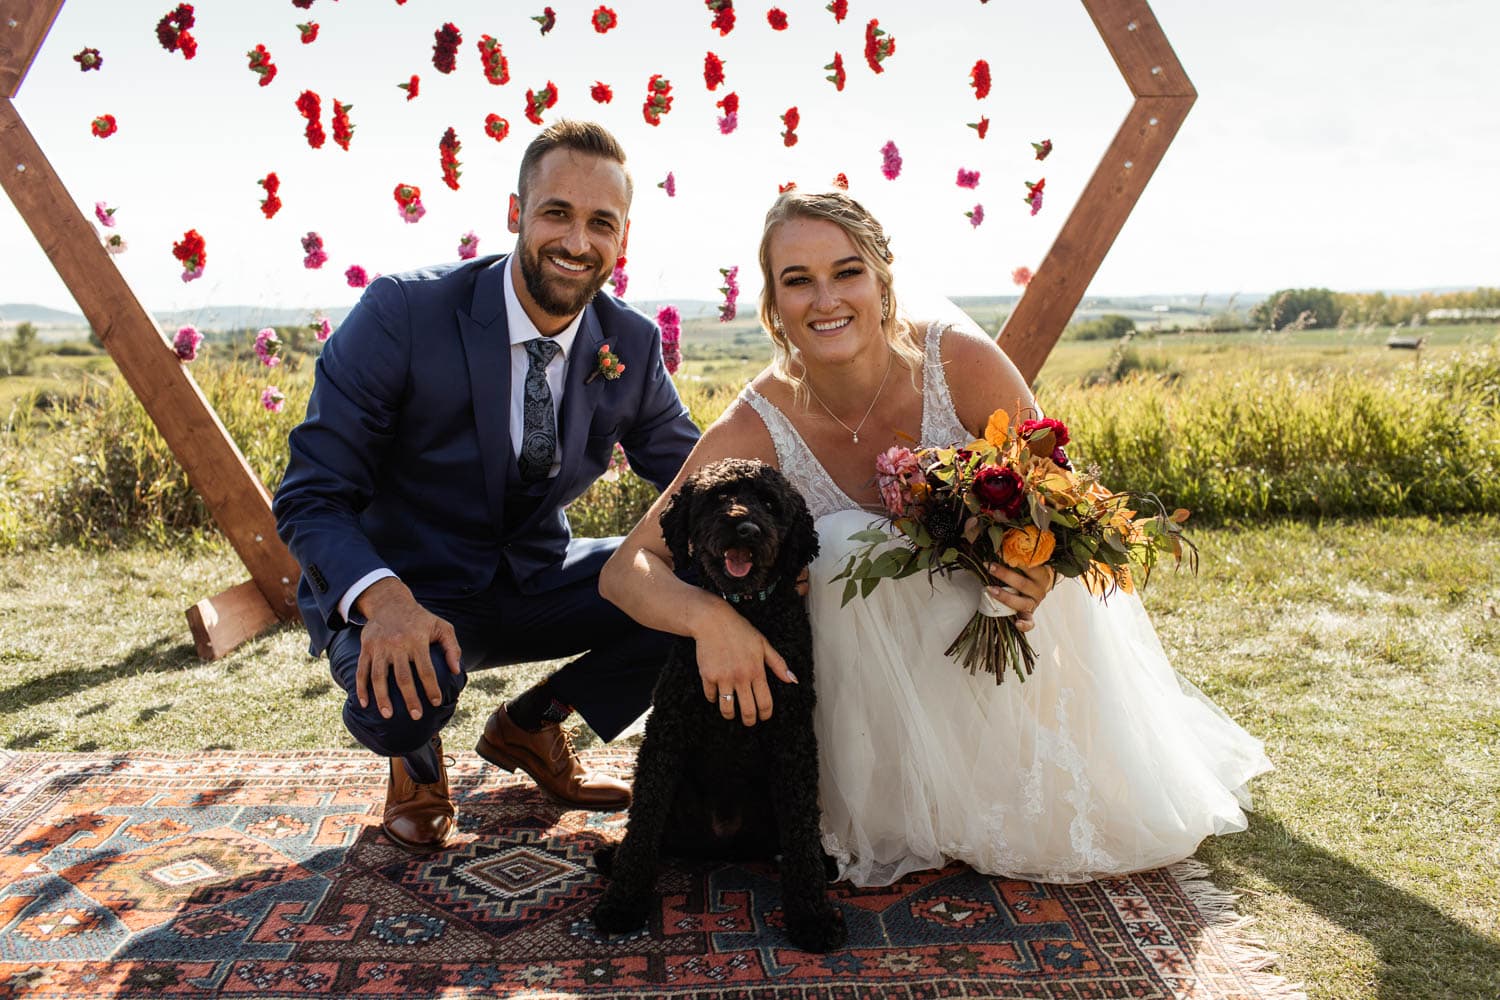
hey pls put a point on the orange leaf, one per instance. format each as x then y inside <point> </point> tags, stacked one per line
<point>997,431</point>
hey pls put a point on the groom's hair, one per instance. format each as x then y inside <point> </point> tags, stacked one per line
<point>580,137</point>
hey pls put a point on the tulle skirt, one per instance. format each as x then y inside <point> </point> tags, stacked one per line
<point>1104,761</point>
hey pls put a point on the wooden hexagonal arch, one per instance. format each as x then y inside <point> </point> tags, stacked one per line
<point>240,503</point>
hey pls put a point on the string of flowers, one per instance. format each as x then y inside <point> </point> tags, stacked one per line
<point>670,321</point>
<point>448,147</point>
<point>538,101</point>
<point>547,19</point>
<point>839,9</point>
<point>468,246</point>
<point>308,33</point>
<point>776,18</point>
<point>356,276</point>
<point>104,126</point>
<point>495,127</point>
<point>979,78</point>
<point>658,99</point>
<point>604,19</point>
<point>260,62</point>
<point>731,290</point>
<point>105,214</point>
<point>713,71</point>
<point>312,248</point>
<point>192,251</point>
<point>618,279</point>
<point>1043,148</point>
<point>311,107</point>
<point>879,46</point>
<point>890,161</point>
<point>412,86</point>
<point>268,347</point>
<point>975,216</point>
<point>791,120</point>
<point>88,59</point>
<point>723,11</point>
<point>601,93</point>
<point>1034,195</point>
<point>492,59</point>
<point>836,75</point>
<point>343,129</point>
<point>982,126</point>
<point>730,105</point>
<point>172,31</point>
<point>321,328</point>
<point>272,399</point>
<point>409,202</point>
<point>968,178</point>
<point>185,344</point>
<point>445,43</point>
<point>270,204</point>
<point>669,185</point>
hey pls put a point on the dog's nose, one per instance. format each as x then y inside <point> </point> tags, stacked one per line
<point>747,530</point>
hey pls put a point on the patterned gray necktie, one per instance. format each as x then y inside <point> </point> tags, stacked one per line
<point>539,426</point>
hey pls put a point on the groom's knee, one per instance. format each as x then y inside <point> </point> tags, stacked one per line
<point>400,733</point>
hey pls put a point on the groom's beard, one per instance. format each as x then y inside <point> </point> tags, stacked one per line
<point>556,296</point>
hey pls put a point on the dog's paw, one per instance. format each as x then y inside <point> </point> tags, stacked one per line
<point>616,915</point>
<point>604,859</point>
<point>819,931</point>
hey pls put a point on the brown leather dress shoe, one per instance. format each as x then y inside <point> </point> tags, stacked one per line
<point>418,817</point>
<point>547,755</point>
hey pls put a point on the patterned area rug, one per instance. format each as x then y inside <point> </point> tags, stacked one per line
<point>257,875</point>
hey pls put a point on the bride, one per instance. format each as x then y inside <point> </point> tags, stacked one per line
<point>1104,761</point>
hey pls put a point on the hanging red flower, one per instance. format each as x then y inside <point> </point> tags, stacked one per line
<point>495,127</point>
<point>840,10</point>
<point>312,109</point>
<point>979,77</point>
<point>713,71</point>
<point>879,46</point>
<point>446,41</point>
<point>547,19</point>
<point>723,21</point>
<point>791,120</point>
<point>104,126</point>
<point>409,203</point>
<point>89,59</point>
<point>308,32</point>
<point>270,204</point>
<point>539,101</point>
<point>1034,195</point>
<point>776,18</point>
<point>601,93</point>
<point>604,19</point>
<point>836,75</point>
<point>343,130</point>
<point>788,186</point>
<point>730,105</point>
<point>172,31</point>
<point>1043,148</point>
<point>496,66</point>
<point>260,62</point>
<point>658,99</point>
<point>840,181</point>
<point>982,126</point>
<point>303,4</point>
<point>411,86</point>
<point>192,251</point>
<point>448,147</point>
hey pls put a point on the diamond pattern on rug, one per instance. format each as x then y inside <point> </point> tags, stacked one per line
<point>221,874</point>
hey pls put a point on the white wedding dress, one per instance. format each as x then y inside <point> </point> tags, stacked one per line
<point>1104,761</point>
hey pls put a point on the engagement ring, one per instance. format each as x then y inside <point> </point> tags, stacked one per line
<point>726,697</point>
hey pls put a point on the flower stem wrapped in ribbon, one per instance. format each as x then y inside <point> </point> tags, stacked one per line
<point>1012,497</point>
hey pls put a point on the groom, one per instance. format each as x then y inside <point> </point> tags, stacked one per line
<point>455,413</point>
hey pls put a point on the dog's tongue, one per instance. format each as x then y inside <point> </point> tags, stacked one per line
<point>738,562</point>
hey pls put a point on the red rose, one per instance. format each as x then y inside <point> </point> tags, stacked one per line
<point>1000,491</point>
<point>1057,427</point>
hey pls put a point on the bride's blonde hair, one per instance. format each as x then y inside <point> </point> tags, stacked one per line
<point>874,249</point>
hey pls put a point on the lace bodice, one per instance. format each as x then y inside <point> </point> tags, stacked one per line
<point>940,427</point>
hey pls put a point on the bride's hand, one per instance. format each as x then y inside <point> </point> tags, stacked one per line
<point>732,660</point>
<point>1021,590</point>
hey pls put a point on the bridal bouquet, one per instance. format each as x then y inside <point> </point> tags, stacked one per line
<point>1012,497</point>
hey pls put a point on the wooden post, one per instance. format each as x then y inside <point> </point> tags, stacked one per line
<point>216,468</point>
<point>1163,96</point>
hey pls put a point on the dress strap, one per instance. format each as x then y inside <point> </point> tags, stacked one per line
<point>940,424</point>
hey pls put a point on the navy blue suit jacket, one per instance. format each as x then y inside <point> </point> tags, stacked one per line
<point>405,457</point>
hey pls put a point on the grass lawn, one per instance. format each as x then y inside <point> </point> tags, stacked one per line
<point>1366,655</point>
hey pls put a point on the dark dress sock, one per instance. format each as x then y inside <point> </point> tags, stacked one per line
<point>537,707</point>
<point>422,763</point>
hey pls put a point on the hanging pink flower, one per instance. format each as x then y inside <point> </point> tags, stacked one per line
<point>618,279</point>
<point>312,246</point>
<point>669,185</point>
<point>322,329</point>
<point>268,347</point>
<point>1034,195</point>
<point>731,290</point>
<point>468,246</point>
<point>356,276</point>
<point>115,243</point>
<point>186,343</point>
<point>731,108</point>
<point>890,161</point>
<point>976,216</point>
<point>272,399</point>
<point>968,178</point>
<point>670,321</point>
<point>1021,276</point>
<point>104,214</point>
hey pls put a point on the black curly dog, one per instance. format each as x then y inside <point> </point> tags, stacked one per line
<point>706,786</point>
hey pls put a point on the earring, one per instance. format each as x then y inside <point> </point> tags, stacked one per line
<point>776,323</point>
<point>885,305</point>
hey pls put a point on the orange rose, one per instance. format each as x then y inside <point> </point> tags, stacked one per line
<point>1028,547</point>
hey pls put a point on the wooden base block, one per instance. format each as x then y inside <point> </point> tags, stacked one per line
<point>222,622</point>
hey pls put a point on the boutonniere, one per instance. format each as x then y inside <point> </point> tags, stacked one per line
<point>607,365</point>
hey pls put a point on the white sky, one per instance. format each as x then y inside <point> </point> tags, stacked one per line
<point>1347,143</point>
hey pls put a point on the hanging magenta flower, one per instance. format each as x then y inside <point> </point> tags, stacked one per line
<point>670,321</point>
<point>323,329</point>
<point>669,185</point>
<point>618,279</point>
<point>968,178</point>
<point>879,46</point>
<point>172,31</point>
<point>492,59</point>
<point>723,11</point>
<point>192,251</point>
<point>495,127</point>
<point>540,100</point>
<point>601,93</point>
<point>979,78</point>
<point>840,10</point>
<point>88,59</point>
<point>1034,195</point>
<point>445,43</point>
<point>547,19</point>
<point>343,130</point>
<point>658,99</point>
<point>1021,276</point>
<point>411,86</point>
<point>1043,148</point>
<point>791,120</point>
<point>604,19</point>
<point>311,107</point>
<point>982,126</point>
<point>270,204</point>
<point>448,147</point>
<point>776,18</point>
<point>409,202</point>
<point>114,243</point>
<point>468,246</point>
<point>312,246</point>
<point>731,290</point>
<point>713,71</point>
<point>976,216</point>
<point>104,214</point>
<point>186,343</point>
<point>890,161</point>
<point>308,32</point>
<point>836,75</point>
<point>104,126</point>
<point>731,108</point>
<point>272,399</point>
<point>356,276</point>
<point>268,347</point>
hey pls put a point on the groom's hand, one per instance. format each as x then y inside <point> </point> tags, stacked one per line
<point>395,643</point>
<point>732,661</point>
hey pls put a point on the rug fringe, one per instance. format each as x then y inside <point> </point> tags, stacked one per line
<point>1247,952</point>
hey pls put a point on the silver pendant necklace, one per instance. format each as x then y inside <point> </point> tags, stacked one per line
<point>854,431</point>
